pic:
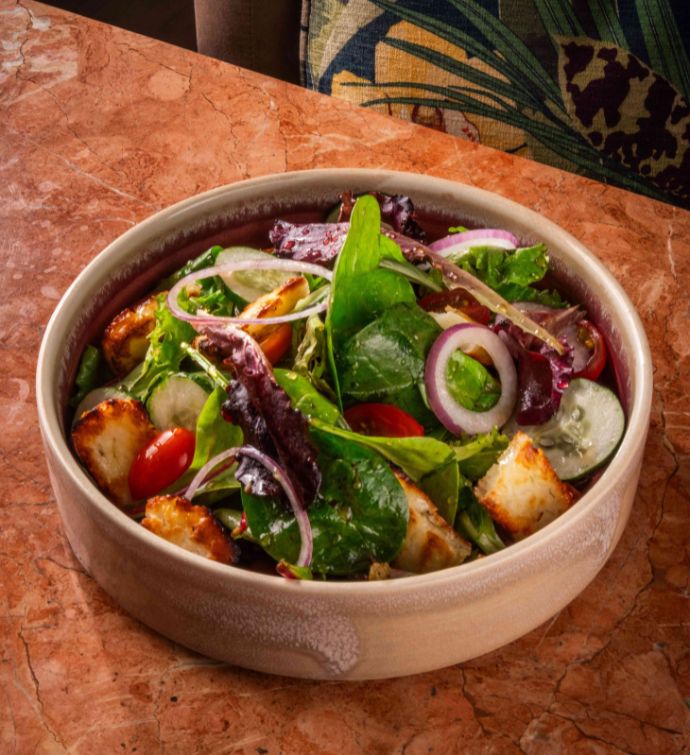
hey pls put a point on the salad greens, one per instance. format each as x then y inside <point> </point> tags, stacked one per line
<point>360,514</point>
<point>165,353</point>
<point>88,374</point>
<point>511,273</point>
<point>471,384</point>
<point>361,290</point>
<point>384,361</point>
<point>213,433</point>
<point>358,489</point>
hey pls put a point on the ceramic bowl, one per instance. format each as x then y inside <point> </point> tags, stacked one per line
<point>329,630</point>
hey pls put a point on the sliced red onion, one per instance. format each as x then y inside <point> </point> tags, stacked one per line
<point>460,242</point>
<point>454,417</point>
<point>231,267</point>
<point>279,475</point>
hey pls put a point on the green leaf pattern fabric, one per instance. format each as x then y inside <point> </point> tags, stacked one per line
<point>598,87</point>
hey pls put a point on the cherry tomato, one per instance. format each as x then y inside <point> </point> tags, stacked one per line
<point>457,298</point>
<point>160,462</point>
<point>383,420</point>
<point>590,336</point>
<point>277,343</point>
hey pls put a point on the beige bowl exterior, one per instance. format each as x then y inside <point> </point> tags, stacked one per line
<point>355,630</point>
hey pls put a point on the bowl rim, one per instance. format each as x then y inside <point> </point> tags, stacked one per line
<point>49,412</point>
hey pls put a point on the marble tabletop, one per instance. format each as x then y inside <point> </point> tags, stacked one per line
<point>99,128</point>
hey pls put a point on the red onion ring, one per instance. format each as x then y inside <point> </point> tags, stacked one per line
<point>279,475</point>
<point>454,417</point>
<point>231,267</point>
<point>458,242</point>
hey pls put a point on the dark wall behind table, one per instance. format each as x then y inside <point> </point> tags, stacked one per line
<point>169,20</point>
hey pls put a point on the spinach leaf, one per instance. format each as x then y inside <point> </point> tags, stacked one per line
<point>213,433</point>
<point>360,514</point>
<point>473,521</point>
<point>477,453</point>
<point>385,360</point>
<point>511,273</point>
<point>164,355</point>
<point>416,456</point>
<point>471,384</point>
<point>360,290</point>
<point>305,398</point>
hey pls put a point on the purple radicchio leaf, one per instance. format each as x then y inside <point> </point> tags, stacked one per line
<point>543,374</point>
<point>239,410</point>
<point>542,379</point>
<point>397,211</point>
<point>318,243</point>
<point>263,411</point>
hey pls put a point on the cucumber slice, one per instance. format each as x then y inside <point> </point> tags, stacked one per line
<point>176,402</point>
<point>584,432</point>
<point>250,284</point>
<point>95,397</point>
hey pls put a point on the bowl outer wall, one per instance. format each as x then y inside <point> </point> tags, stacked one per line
<point>351,630</point>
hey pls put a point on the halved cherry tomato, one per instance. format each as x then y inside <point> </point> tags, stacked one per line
<point>457,298</point>
<point>383,420</point>
<point>160,462</point>
<point>591,338</point>
<point>276,344</point>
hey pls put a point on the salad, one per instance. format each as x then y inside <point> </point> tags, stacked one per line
<point>353,401</point>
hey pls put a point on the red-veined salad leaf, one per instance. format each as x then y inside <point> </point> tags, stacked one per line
<point>319,243</point>
<point>263,411</point>
<point>397,211</point>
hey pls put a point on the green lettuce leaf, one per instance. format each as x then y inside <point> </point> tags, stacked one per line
<point>205,259</point>
<point>473,521</point>
<point>88,374</point>
<point>305,398</point>
<point>511,273</point>
<point>416,456</point>
<point>213,433</point>
<point>311,359</point>
<point>478,452</point>
<point>164,355</point>
<point>443,486</point>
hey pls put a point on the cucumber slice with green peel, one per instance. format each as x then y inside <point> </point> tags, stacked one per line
<point>176,402</point>
<point>584,432</point>
<point>250,284</point>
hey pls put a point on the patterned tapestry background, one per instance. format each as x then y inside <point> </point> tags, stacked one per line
<point>597,87</point>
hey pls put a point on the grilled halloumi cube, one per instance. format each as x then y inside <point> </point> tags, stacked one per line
<point>431,543</point>
<point>193,528</point>
<point>125,341</point>
<point>521,490</point>
<point>275,303</point>
<point>107,438</point>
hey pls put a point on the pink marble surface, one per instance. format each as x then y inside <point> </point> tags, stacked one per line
<point>98,129</point>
